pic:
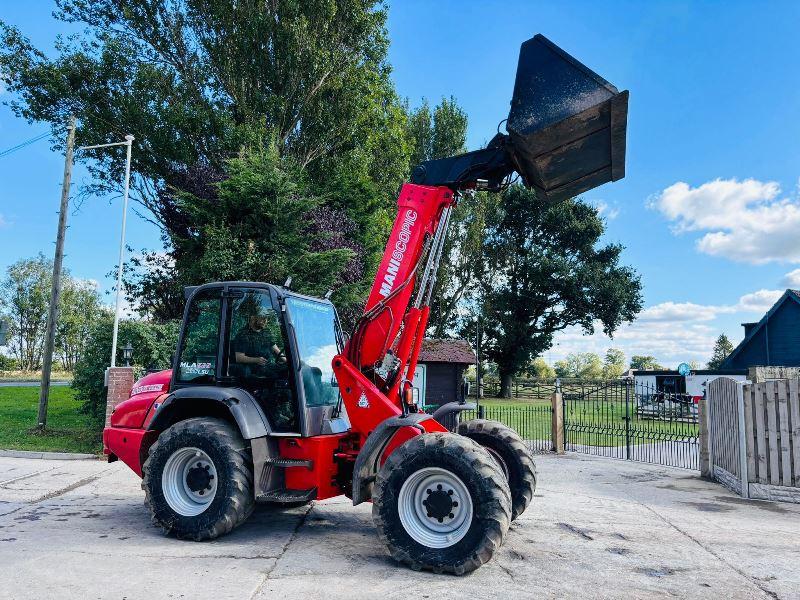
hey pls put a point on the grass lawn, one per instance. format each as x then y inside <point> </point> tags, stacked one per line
<point>67,429</point>
<point>588,423</point>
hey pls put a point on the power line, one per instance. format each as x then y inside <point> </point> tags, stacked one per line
<point>23,144</point>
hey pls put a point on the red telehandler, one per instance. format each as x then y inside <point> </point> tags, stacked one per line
<point>267,401</point>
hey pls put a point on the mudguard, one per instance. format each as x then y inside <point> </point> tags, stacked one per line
<point>451,407</point>
<point>368,460</point>
<point>244,409</point>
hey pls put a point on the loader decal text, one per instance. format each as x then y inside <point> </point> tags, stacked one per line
<point>398,253</point>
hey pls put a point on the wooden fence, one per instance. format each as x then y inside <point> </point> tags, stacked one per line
<point>754,437</point>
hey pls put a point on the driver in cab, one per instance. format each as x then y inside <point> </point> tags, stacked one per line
<point>254,345</point>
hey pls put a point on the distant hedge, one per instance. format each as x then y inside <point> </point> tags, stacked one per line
<point>153,346</point>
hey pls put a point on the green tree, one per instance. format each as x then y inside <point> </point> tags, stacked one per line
<point>645,363</point>
<point>263,225</point>
<point>153,345</point>
<point>722,349</point>
<point>24,299</point>
<point>582,365</point>
<point>544,271</point>
<point>198,81</point>
<point>438,134</point>
<point>613,363</point>
<point>80,308</point>
<point>540,369</point>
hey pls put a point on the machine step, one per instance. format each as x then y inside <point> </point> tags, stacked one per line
<point>286,496</point>
<point>289,462</point>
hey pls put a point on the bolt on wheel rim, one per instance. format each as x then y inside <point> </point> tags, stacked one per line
<point>189,481</point>
<point>435,507</point>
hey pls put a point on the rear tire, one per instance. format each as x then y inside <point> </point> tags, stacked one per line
<point>198,479</point>
<point>441,503</point>
<point>506,446</point>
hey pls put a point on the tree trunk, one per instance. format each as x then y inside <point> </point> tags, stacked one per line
<point>506,382</point>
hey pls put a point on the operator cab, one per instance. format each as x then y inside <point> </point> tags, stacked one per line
<point>274,344</point>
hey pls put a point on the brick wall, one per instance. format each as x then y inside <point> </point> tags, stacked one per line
<point>120,383</point>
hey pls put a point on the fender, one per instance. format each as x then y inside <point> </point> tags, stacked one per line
<point>451,407</point>
<point>244,409</point>
<point>368,460</point>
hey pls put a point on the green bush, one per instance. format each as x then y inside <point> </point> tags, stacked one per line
<point>8,363</point>
<point>153,345</point>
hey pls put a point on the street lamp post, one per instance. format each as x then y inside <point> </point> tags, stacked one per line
<point>128,142</point>
<point>127,353</point>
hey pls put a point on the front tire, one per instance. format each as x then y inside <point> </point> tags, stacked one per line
<point>513,456</point>
<point>441,503</point>
<point>198,479</point>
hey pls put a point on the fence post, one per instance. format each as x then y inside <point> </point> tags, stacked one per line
<point>742,441</point>
<point>557,425</point>
<point>703,415</point>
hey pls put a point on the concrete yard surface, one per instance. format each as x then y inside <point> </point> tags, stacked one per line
<point>597,528</point>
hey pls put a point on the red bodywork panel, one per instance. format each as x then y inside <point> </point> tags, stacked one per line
<point>132,412</point>
<point>320,450</point>
<point>126,444</point>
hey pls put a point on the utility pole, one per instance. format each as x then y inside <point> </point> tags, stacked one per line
<point>55,294</point>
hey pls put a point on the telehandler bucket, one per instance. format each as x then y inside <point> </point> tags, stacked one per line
<point>567,124</point>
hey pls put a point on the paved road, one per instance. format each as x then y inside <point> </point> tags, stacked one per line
<point>598,528</point>
<point>30,383</point>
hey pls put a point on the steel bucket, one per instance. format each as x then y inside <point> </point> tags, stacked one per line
<point>567,124</point>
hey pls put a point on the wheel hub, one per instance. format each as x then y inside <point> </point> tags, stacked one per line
<point>440,503</point>
<point>189,481</point>
<point>435,507</point>
<point>199,478</point>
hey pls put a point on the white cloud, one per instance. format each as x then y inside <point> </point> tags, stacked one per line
<point>745,221</point>
<point>604,209</point>
<point>760,301</point>
<point>681,311</point>
<point>670,342</point>
<point>4,222</point>
<point>791,279</point>
<point>671,331</point>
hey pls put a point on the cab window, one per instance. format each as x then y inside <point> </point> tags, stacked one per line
<point>257,356</point>
<point>198,355</point>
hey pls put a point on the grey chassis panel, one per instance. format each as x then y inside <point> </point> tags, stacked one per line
<point>367,462</point>
<point>451,407</point>
<point>243,407</point>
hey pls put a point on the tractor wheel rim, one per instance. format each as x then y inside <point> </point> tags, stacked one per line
<point>435,507</point>
<point>499,460</point>
<point>189,481</point>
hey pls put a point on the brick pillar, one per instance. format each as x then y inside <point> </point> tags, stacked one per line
<point>557,425</point>
<point>120,383</point>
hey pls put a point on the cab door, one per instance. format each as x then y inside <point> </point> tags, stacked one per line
<point>198,351</point>
<point>257,356</point>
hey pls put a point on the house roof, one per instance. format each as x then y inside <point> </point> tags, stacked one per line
<point>446,351</point>
<point>787,295</point>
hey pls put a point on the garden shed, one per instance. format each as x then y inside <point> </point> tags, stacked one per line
<point>441,368</point>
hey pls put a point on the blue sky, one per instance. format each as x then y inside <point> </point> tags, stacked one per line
<point>710,204</point>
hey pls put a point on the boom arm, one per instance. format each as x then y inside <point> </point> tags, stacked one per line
<point>371,374</point>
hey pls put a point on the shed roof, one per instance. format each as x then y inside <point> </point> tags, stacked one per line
<point>446,351</point>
